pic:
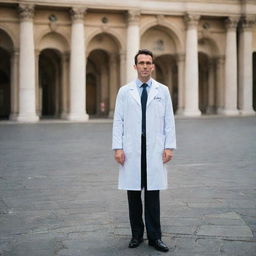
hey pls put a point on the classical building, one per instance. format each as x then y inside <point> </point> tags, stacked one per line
<point>66,59</point>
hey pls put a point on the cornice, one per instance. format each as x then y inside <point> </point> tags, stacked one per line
<point>219,8</point>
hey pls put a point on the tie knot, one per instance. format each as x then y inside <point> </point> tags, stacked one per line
<point>144,85</point>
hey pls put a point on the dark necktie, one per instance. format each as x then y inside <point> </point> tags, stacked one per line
<point>144,97</point>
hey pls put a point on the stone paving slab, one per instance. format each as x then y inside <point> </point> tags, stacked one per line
<point>58,190</point>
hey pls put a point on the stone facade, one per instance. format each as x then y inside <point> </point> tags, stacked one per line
<point>67,59</point>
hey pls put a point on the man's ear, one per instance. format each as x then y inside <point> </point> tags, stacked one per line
<point>135,67</point>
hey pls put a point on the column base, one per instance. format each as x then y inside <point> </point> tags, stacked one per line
<point>210,110</point>
<point>77,117</point>
<point>220,110</point>
<point>179,112</point>
<point>192,113</point>
<point>230,112</point>
<point>111,114</point>
<point>13,117</point>
<point>27,118</point>
<point>247,112</point>
<point>64,115</point>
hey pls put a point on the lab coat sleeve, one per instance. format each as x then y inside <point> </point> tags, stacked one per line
<point>118,122</point>
<point>169,127</point>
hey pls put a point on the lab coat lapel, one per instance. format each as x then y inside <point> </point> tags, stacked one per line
<point>135,93</point>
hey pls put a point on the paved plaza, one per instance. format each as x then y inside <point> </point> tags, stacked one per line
<point>58,190</point>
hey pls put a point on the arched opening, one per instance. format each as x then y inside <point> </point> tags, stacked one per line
<point>97,83</point>
<point>166,73</point>
<point>254,80</point>
<point>207,76</point>
<point>102,74</point>
<point>5,98</point>
<point>203,82</point>
<point>161,41</point>
<point>6,47</point>
<point>49,83</point>
<point>91,94</point>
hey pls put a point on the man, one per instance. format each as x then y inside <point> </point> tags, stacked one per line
<point>143,142</point>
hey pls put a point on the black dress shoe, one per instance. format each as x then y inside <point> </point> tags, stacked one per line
<point>135,242</point>
<point>159,245</point>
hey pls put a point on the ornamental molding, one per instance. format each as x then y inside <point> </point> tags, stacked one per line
<point>77,14</point>
<point>180,57</point>
<point>231,22</point>
<point>247,22</point>
<point>26,12</point>
<point>133,17</point>
<point>191,20</point>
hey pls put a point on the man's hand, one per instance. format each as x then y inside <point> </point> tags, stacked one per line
<point>119,156</point>
<point>167,155</point>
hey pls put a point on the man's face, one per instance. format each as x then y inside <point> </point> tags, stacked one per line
<point>144,67</point>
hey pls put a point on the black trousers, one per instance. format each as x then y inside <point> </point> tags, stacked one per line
<point>151,201</point>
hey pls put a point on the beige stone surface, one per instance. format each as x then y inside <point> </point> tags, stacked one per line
<point>113,32</point>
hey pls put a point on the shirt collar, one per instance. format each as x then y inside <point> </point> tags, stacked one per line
<point>139,83</point>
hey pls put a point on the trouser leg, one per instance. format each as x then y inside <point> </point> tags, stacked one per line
<point>152,214</point>
<point>143,163</point>
<point>135,213</point>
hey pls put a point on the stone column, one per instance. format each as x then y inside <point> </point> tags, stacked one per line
<point>122,68</point>
<point>113,83</point>
<point>77,67</point>
<point>191,106</point>
<point>245,67</point>
<point>64,83</point>
<point>211,87</point>
<point>133,43</point>
<point>220,84</point>
<point>230,98</point>
<point>38,89</point>
<point>14,85</point>
<point>27,83</point>
<point>181,93</point>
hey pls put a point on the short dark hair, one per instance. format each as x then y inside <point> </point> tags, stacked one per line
<point>142,51</point>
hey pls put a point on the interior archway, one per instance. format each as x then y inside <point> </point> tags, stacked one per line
<point>203,82</point>
<point>5,98</point>
<point>102,74</point>
<point>166,73</point>
<point>97,83</point>
<point>160,40</point>
<point>207,76</point>
<point>254,80</point>
<point>49,83</point>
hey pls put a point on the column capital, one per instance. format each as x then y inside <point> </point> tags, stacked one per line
<point>77,14</point>
<point>220,59</point>
<point>37,53</point>
<point>65,56</point>
<point>247,22</point>
<point>26,12</point>
<point>15,52</point>
<point>122,55</point>
<point>211,62</point>
<point>231,22</point>
<point>191,20</point>
<point>113,57</point>
<point>133,17</point>
<point>180,57</point>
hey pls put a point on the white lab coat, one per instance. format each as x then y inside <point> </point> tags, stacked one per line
<point>160,130</point>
